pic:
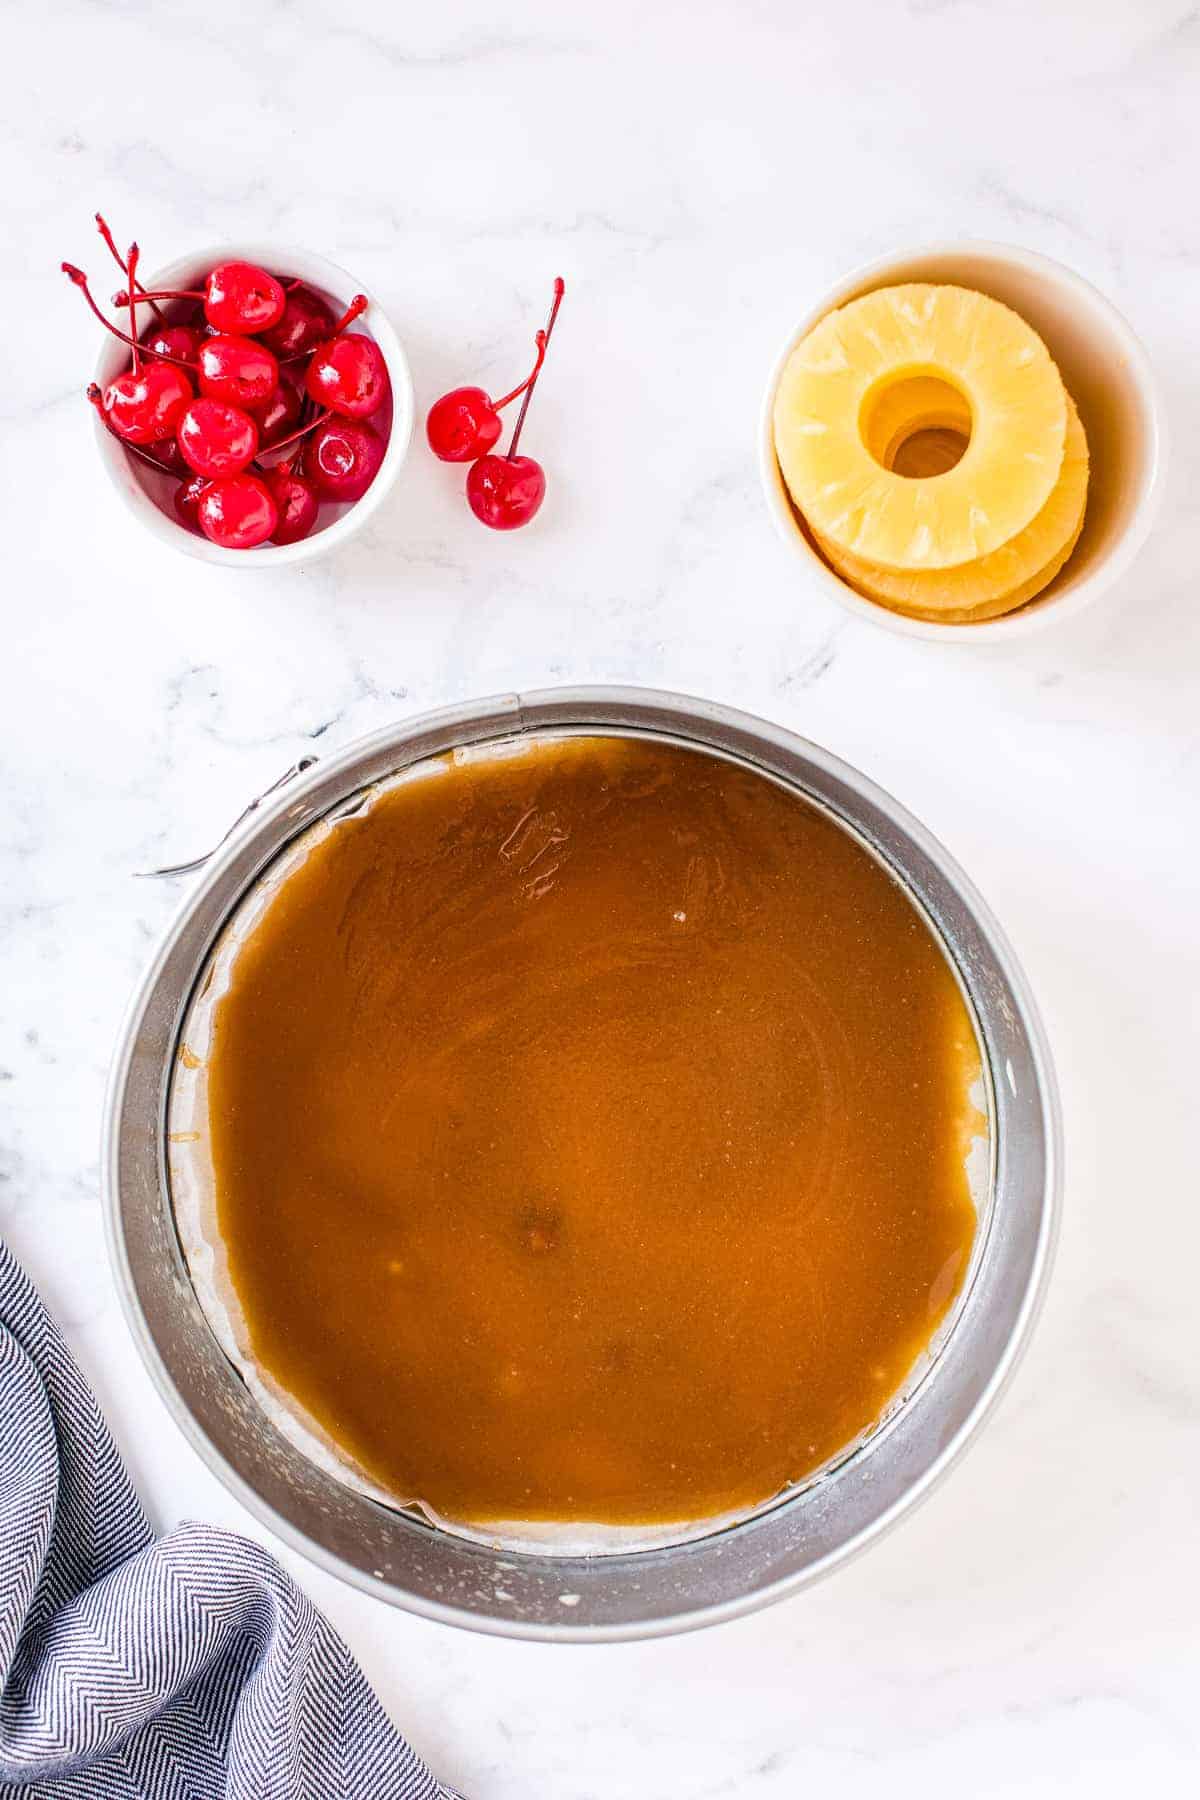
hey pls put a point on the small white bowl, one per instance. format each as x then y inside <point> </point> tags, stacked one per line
<point>149,495</point>
<point>1107,374</point>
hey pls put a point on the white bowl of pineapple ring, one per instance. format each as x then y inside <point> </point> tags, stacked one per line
<point>1106,372</point>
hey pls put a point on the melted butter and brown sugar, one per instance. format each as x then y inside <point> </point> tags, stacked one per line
<point>588,1127</point>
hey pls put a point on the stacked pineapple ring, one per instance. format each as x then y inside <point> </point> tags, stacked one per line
<point>927,440</point>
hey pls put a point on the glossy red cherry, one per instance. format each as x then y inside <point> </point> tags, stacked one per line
<point>237,370</point>
<point>296,502</point>
<point>186,499</point>
<point>217,439</point>
<point>238,297</point>
<point>146,405</point>
<point>169,456</point>
<point>237,512</point>
<point>306,321</point>
<point>178,342</point>
<point>463,424</point>
<point>163,454</point>
<point>279,415</point>
<point>241,297</point>
<point>342,457</point>
<point>348,375</point>
<point>505,491</point>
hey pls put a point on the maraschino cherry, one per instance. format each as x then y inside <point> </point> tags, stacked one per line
<point>162,454</point>
<point>237,512</point>
<point>342,457</point>
<point>296,503</point>
<point>505,492</point>
<point>217,439</point>
<point>145,405</point>
<point>279,415</point>
<point>169,456</point>
<point>306,321</point>
<point>237,370</point>
<point>238,297</point>
<point>187,499</point>
<point>177,343</point>
<point>347,372</point>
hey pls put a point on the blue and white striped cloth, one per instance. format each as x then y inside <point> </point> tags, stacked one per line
<point>187,1667</point>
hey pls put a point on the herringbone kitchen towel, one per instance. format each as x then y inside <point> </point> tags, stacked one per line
<point>184,1668</point>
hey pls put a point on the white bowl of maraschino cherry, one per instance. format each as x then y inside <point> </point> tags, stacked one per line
<point>240,416</point>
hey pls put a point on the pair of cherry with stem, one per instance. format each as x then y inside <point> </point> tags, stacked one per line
<point>506,491</point>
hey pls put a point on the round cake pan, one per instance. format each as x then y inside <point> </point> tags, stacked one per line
<point>805,1533</point>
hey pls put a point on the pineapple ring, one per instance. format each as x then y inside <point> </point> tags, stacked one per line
<point>994,609</point>
<point>844,368</point>
<point>996,580</point>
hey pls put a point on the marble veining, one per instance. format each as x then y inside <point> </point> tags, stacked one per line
<point>696,174</point>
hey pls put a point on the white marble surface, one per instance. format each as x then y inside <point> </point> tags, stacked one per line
<point>697,172</point>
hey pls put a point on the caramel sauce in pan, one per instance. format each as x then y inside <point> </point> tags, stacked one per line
<point>588,1128</point>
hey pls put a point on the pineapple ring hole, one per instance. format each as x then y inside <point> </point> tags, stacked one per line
<point>916,424</point>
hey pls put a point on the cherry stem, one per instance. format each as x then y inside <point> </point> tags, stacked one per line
<point>122,299</point>
<point>81,282</point>
<point>97,400</point>
<point>559,291</point>
<point>106,234</point>
<point>131,263</point>
<point>356,307</point>
<point>294,436</point>
<point>540,341</point>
